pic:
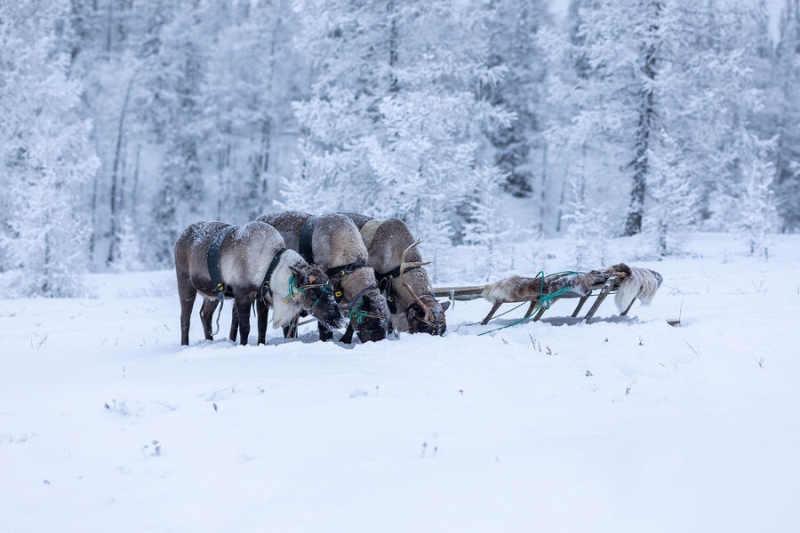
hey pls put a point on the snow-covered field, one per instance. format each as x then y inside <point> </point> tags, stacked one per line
<point>108,424</point>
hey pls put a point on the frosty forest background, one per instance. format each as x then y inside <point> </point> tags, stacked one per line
<point>122,121</point>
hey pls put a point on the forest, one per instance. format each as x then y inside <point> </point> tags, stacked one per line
<point>123,121</point>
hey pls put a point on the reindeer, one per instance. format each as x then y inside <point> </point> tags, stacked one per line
<point>247,263</point>
<point>398,266</point>
<point>333,242</point>
<point>628,282</point>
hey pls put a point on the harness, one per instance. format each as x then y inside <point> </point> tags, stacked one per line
<point>212,258</point>
<point>336,274</point>
<point>265,288</point>
<point>306,232</point>
<point>385,284</point>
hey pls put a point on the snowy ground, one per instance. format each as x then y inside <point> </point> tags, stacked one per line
<point>107,424</point>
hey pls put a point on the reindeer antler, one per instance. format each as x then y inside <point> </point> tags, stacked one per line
<point>403,267</point>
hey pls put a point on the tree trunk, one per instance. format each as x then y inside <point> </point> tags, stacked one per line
<point>646,124</point>
<point>113,247</point>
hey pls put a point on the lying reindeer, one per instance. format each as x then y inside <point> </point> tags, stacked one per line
<point>629,282</point>
<point>402,279</point>
<point>247,263</point>
<point>334,243</point>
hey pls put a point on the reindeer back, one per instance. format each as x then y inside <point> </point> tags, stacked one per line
<point>289,224</point>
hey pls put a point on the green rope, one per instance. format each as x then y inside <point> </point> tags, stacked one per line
<point>323,293</point>
<point>544,299</point>
<point>359,315</point>
<point>293,289</point>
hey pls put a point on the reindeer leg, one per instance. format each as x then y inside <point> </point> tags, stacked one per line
<point>187,295</point>
<point>206,314</point>
<point>243,310</point>
<point>263,318</point>
<point>324,333</point>
<point>234,324</point>
<point>488,317</point>
<point>580,304</point>
<point>290,330</point>
<point>539,313</point>
<point>347,338</point>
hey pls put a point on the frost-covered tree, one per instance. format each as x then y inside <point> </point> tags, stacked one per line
<point>786,86</point>
<point>254,71</point>
<point>394,124</point>
<point>44,155</point>
<point>586,234</point>
<point>661,89</point>
<point>513,27</point>
<point>180,199</point>
<point>673,197</point>
<point>756,206</point>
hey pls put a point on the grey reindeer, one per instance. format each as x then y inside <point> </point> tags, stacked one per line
<point>250,264</point>
<point>399,269</point>
<point>334,243</point>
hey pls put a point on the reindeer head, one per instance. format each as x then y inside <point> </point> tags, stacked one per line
<point>425,314</point>
<point>316,294</point>
<point>366,309</point>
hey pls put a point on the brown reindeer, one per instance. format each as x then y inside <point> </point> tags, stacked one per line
<point>394,256</point>
<point>333,243</point>
<point>248,263</point>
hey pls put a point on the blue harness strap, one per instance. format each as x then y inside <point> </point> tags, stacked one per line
<point>212,257</point>
<point>306,232</point>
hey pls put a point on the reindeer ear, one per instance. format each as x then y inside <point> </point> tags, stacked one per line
<point>445,305</point>
<point>296,272</point>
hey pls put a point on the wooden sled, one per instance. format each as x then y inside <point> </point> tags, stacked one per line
<point>541,291</point>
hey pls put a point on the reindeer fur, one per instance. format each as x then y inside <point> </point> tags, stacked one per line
<point>641,283</point>
<point>387,242</point>
<point>335,242</point>
<point>245,256</point>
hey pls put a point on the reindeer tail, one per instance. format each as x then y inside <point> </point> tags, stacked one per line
<point>642,283</point>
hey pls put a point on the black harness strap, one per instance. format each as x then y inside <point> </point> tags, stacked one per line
<point>306,232</point>
<point>360,295</point>
<point>385,284</point>
<point>265,285</point>
<point>338,272</point>
<point>212,258</point>
<point>335,274</point>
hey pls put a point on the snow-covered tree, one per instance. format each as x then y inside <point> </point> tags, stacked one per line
<point>672,197</point>
<point>661,90</point>
<point>180,199</point>
<point>513,27</point>
<point>756,207</point>
<point>394,125</point>
<point>44,155</point>
<point>254,71</point>
<point>786,84</point>
<point>587,233</point>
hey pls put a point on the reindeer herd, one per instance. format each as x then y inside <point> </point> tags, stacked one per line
<point>342,268</point>
<point>350,269</point>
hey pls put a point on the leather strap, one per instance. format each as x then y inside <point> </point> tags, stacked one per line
<point>306,233</point>
<point>212,259</point>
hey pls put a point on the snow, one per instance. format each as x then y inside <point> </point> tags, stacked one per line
<point>623,424</point>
